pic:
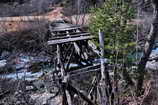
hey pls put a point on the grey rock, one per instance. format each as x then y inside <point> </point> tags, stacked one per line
<point>29,88</point>
<point>152,65</point>
<point>46,99</point>
<point>5,54</point>
<point>3,63</point>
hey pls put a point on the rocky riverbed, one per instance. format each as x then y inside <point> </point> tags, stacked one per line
<point>20,92</point>
<point>22,81</point>
<point>22,64</point>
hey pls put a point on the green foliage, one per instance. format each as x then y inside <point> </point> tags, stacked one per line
<point>113,19</point>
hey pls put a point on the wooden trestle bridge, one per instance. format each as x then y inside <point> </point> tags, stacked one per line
<point>73,47</point>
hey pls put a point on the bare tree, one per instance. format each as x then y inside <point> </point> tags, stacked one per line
<point>148,48</point>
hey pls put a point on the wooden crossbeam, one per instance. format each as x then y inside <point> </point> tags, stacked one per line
<point>64,34</point>
<point>66,29</point>
<point>66,40</point>
<point>70,36</point>
<point>71,88</point>
<point>86,69</point>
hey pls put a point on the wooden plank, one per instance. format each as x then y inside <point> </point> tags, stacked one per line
<point>70,36</point>
<point>66,29</point>
<point>64,34</point>
<point>85,69</point>
<point>60,41</point>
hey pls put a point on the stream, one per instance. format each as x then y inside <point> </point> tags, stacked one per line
<point>24,66</point>
<point>29,67</point>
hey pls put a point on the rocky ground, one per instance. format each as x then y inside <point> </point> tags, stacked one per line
<point>19,92</point>
<point>37,92</point>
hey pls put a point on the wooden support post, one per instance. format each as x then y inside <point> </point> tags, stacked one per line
<point>64,96</point>
<point>94,84</point>
<point>58,57</point>
<point>104,98</point>
<point>69,59</point>
<point>59,61</point>
<point>61,68</point>
<point>101,41</point>
<point>67,52</point>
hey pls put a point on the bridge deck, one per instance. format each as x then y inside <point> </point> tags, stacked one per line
<point>69,39</point>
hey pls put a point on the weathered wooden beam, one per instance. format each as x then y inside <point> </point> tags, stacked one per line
<point>68,62</point>
<point>65,29</point>
<point>70,36</point>
<point>85,70</point>
<point>59,61</point>
<point>77,49</point>
<point>92,89</point>
<point>104,98</point>
<point>101,41</point>
<point>93,47</point>
<point>67,51</point>
<point>64,95</point>
<point>64,34</point>
<point>83,53</point>
<point>60,41</point>
<point>71,88</point>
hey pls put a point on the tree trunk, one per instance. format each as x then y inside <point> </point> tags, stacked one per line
<point>148,48</point>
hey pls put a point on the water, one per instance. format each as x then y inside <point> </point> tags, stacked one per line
<point>3,63</point>
<point>23,62</point>
<point>23,75</point>
<point>23,67</point>
<point>30,67</point>
<point>152,65</point>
